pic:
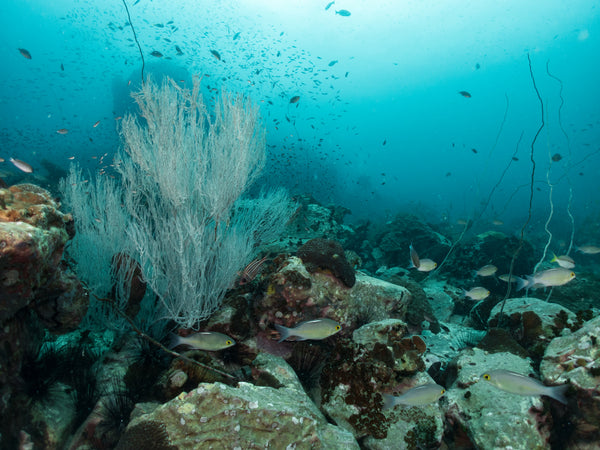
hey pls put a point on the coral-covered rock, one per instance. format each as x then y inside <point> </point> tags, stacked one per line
<point>381,332</point>
<point>294,295</point>
<point>411,427</point>
<point>325,254</point>
<point>246,416</point>
<point>32,238</point>
<point>575,358</point>
<point>533,323</point>
<point>490,417</point>
<point>380,358</point>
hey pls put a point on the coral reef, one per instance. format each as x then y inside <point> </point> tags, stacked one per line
<point>36,291</point>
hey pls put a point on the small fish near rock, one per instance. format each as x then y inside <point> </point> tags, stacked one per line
<point>316,329</point>
<point>210,341</point>
<point>417,396</point>
<point>516,383</point>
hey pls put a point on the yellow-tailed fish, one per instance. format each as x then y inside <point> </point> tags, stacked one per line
<point>563,261</point>
<point>546,278</point>
<point>516,383</point>
<point>417,396</point>
<point>477,293</point>
<point>205,340</point>
<point>316,329</point>
<point>589,249</point>
<point>487,271</point>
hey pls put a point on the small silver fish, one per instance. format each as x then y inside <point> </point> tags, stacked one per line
<point>547,278</point>
<point>426,265</point>
<point>563,261</point>
<point>211,341</point>
<point>21,165</point>
<point>417,396</point>
<point>506,278</point>
<point>316,329</point>
<point>477,293</point>
<point>589,249</point>
<point>487,271</point>
<point>516,383</point>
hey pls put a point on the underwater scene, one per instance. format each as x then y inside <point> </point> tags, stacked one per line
<point>299,224</point>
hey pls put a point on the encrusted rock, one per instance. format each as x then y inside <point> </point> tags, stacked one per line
<point>575,358</point>
<point>325,254</point>
<point>411,427</point>
<point>246,416</point>
<point>352,381</point>
<point>294,295</point>
<point>533,323</point>
<point>34,287</point>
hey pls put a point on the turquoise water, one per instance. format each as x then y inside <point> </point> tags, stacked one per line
<point>380,123</point>
<point>475,116</point>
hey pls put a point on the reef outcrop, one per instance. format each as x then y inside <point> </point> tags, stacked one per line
<point>36,291</point>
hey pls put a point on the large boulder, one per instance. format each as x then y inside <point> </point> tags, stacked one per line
<point>35,289</point>
<point>246,416</point>
<point>532,322</point>
<point>294,295</point>
<point>489,417</point>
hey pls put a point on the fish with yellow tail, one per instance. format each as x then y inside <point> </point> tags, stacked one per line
<point>417,396</point>
<point>316,329</point>
<point>211,341</point>
<point>563,261</point>
<point>546,278</point>
<point>515,383</point>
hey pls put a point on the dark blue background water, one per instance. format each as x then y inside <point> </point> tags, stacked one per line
<point>380,125</point>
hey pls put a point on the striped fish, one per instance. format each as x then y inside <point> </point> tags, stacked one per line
<point>251,270</point>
